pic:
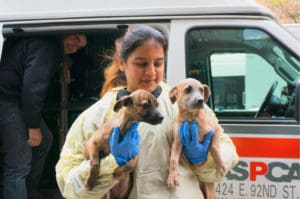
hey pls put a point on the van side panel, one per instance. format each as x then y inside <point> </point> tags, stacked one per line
<point>268,168</point>
<point>36,10</point>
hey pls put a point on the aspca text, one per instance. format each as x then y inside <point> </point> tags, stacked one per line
<point>273,171</point>
<point>261,179</point>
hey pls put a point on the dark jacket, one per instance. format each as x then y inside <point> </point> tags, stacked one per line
<point>26,68</point>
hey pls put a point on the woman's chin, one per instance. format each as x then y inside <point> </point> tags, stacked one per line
<point>149,88</point>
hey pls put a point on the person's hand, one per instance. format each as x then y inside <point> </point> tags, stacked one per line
<point>194,151</point>
<point>128,147</point>
<point>35,137</point>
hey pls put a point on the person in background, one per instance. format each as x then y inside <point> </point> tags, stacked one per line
<point>26,68</point>
<point>138,63</point>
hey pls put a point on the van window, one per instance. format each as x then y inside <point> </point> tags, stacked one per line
<point>249,73</point>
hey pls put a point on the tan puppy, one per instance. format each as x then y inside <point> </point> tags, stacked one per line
<point>191,95</point>
<point>141,106</point>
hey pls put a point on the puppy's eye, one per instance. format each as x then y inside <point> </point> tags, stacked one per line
<point>188,89</point>
<point>146,105</point>
<point>201,90</point>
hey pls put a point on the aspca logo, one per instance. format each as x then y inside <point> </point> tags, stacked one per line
<point>274,171</point>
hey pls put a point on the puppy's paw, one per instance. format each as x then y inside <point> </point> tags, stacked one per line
<point>221,168</point>
<point>90,183</point>
<point>173,180</point>
<point>211,195</point>
<point>119,174</point>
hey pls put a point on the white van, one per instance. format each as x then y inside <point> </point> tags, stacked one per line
<point>250,62</point>
<point>294,29</point>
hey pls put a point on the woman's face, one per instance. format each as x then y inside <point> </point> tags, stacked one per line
<point>144,68</point>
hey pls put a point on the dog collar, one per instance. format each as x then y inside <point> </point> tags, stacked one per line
<point>124,92</point>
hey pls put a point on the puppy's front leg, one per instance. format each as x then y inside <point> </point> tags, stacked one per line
<point>173,178</point>
<point>124,170</point>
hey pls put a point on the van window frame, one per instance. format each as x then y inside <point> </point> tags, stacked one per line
<point>207,77</point>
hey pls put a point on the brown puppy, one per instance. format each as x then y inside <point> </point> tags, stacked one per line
<point>139,106</point>
<point>191,95</point>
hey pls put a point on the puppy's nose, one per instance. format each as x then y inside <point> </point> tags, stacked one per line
<point>200,101</point>
<point>155,118</point>
<point>160,118</point>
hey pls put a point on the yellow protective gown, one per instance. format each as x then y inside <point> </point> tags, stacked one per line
<point>151,172</point>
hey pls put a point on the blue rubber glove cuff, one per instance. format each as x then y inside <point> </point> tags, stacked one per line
<point>128,147</point>
<point>120,161</point>
<point>194,151</point>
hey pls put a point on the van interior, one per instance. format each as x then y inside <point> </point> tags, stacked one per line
<point>74,88</point>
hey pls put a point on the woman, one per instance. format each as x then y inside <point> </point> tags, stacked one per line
<point>139,62</point>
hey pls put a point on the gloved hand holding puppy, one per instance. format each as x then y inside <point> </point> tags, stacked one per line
<point>128,147</point>
<point>195,151</point>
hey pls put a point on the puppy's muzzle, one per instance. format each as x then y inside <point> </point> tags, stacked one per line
<point>153,117</point>
<point>198,103</point>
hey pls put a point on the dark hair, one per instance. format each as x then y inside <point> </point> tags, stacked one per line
<point>134,37</point>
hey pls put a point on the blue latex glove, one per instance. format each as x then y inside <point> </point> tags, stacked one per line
<point>128,147</point>
<point>194,151</point>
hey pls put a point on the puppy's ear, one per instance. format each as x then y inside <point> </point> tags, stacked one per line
<point>206,92</point>
<point>124,101</point>
<point>173,94</point>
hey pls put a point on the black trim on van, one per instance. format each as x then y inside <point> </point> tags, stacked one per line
<point>16,30</point>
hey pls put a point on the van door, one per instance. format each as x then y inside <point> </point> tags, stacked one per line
<point>251,67</point>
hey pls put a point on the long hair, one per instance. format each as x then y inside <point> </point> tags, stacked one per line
<point>113,75</point>
<point>134,37</point>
